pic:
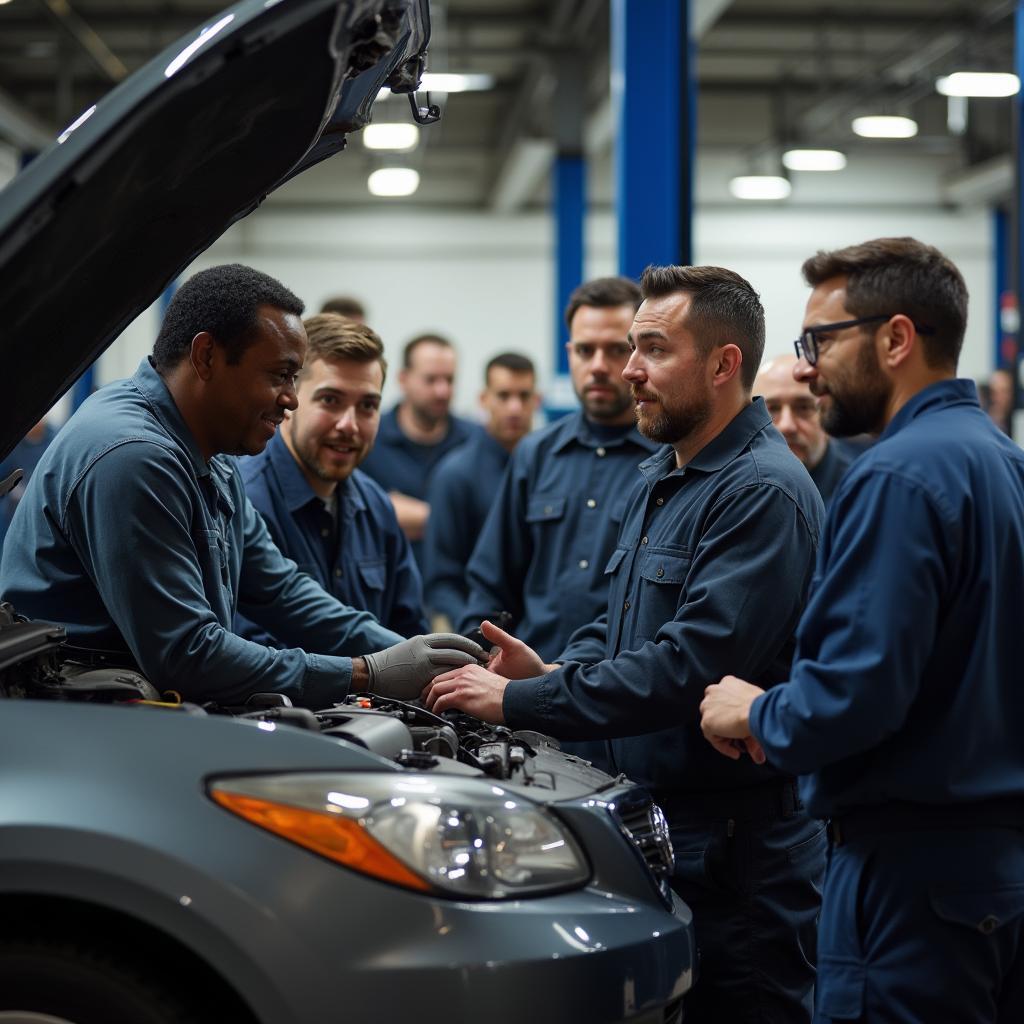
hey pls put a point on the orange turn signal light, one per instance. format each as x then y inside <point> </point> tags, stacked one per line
<point>333,836</point>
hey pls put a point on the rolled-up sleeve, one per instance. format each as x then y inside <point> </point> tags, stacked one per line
<point>751,537</point>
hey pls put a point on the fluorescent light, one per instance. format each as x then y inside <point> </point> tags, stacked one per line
<point>438,82</point>
<point>885,127</point>
<point>398,136</point>
<point>759,186</point>
<point>978,83</point>
<point>813,160</point>
<point>394,181</point>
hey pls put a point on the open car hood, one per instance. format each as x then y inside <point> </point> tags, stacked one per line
<point>94,228</point>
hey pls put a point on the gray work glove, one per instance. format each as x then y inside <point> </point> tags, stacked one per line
<point>403,670</point>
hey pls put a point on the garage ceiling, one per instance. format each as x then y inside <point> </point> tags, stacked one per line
<point>771,72</point>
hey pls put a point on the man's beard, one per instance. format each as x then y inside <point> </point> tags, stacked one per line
<point>862,409</point>
<point>669,427</point>
<point>428,417</point>
<point>308,455</point>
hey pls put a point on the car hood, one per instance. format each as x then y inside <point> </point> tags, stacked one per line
<point>94,228</point>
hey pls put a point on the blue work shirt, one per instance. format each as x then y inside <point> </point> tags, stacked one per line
<point>25,456</point>
<point>829,471</point>
<point>462,490</point>
<point>907,679</point>
<point>551,529</point>
<point>363,558</point>
<point>134,543</point>
<point>710,572</point>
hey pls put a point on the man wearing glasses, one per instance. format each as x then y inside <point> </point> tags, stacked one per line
<point>542,553</point>
<point>904,710</point>
<point>794,411</point>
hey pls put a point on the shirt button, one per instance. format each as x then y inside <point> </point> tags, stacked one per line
<point>584,564</point>
<point>548,510</point>
<point>591,503</point>
<point>325,532</point>
<point>601,453</point>
<point>337,574</point>
<point>660,501</point>
<point>643,540</point>
<point>661,572</point>
<point>625,607</point>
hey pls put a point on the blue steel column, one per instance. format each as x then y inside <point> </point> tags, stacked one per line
<point>654,94</point>
<point>1014,363</point>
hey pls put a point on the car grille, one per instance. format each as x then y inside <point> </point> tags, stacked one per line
<point>645,825</point>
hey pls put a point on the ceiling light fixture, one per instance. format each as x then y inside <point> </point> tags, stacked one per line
<point>393,181</point>
<point>884,126</point>
<point>813,160</point>
<point>398,136</point>
<point>760,186</point>
<point>443,82</point>
<point>978,83</point>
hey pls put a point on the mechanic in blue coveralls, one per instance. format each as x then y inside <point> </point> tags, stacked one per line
<point>136,536</point>
<point>418,432</point>
<point>904,710</point>
<point>464,484</point>
<point>320,509</point>
<point>713,564</point>
<point>542,553</point>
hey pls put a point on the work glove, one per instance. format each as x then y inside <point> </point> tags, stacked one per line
<point>403,670</point>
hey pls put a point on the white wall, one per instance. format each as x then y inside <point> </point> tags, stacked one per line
<point>486,281</point>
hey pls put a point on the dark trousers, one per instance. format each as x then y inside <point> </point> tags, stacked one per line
<point>924,927</point>
<point>754,886</point>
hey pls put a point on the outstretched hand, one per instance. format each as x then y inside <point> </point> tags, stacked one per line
<point>725,718</point>
<point>471,689</point>
<point>510,657</point>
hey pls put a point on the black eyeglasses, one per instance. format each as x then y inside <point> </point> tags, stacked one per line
<point>808,346</point>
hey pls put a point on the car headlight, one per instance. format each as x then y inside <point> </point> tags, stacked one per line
<point>460,837</point>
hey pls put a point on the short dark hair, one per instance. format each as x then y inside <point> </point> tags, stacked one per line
<point>422,339</point>
<point>724,310</point>
<point>223,300</point>
<point>345,305</point>
<point>901,275</point>
<point>333,336</point>
<point>603,292</point>
<point>512,361</point>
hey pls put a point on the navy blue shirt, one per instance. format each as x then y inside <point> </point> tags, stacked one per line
<point>398,463</point>
<point>910,657</point>
<point>553,524</point>
<point>462,490</point>
<point>710,572</point>
<point>829,471</point>
<point>132,541</point>
<point>362,557</point>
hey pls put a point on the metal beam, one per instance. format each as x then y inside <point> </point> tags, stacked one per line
<point>78,29</point>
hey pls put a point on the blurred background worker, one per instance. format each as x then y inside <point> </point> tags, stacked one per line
<point>418,432</point>
<point>26,456</point>
<point>542,553</point>
<point>464,484</point>
<point>329,517</point>
<point>794,411</point>
<point>346,306</point>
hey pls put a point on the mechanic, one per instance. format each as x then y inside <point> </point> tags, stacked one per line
<point>347,306</point>
<point>904,711</point>
<point>713,563</point>
<point>321,511</point>
<point>418,432</point>
<point>463,486</point>
<point>794,411</point>
<point>136,536</point>
<point>542,553</point>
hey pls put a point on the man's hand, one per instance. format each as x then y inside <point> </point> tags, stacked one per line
<point>403,670</point>
<point>472,689</point>
<point>510,657</point>
<point>725,718</point>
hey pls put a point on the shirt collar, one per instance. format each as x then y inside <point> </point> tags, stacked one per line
<point>292,481</point>
<point>720,450</point>
<point>152,386</point>
<point>575,429</point>
<point>958,391</point>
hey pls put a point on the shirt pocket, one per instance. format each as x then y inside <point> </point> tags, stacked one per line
<point>373,575</point>
<point>662,581</point>
<point>982,910</point>
<point>615,561</point>
<point>545,509</point>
